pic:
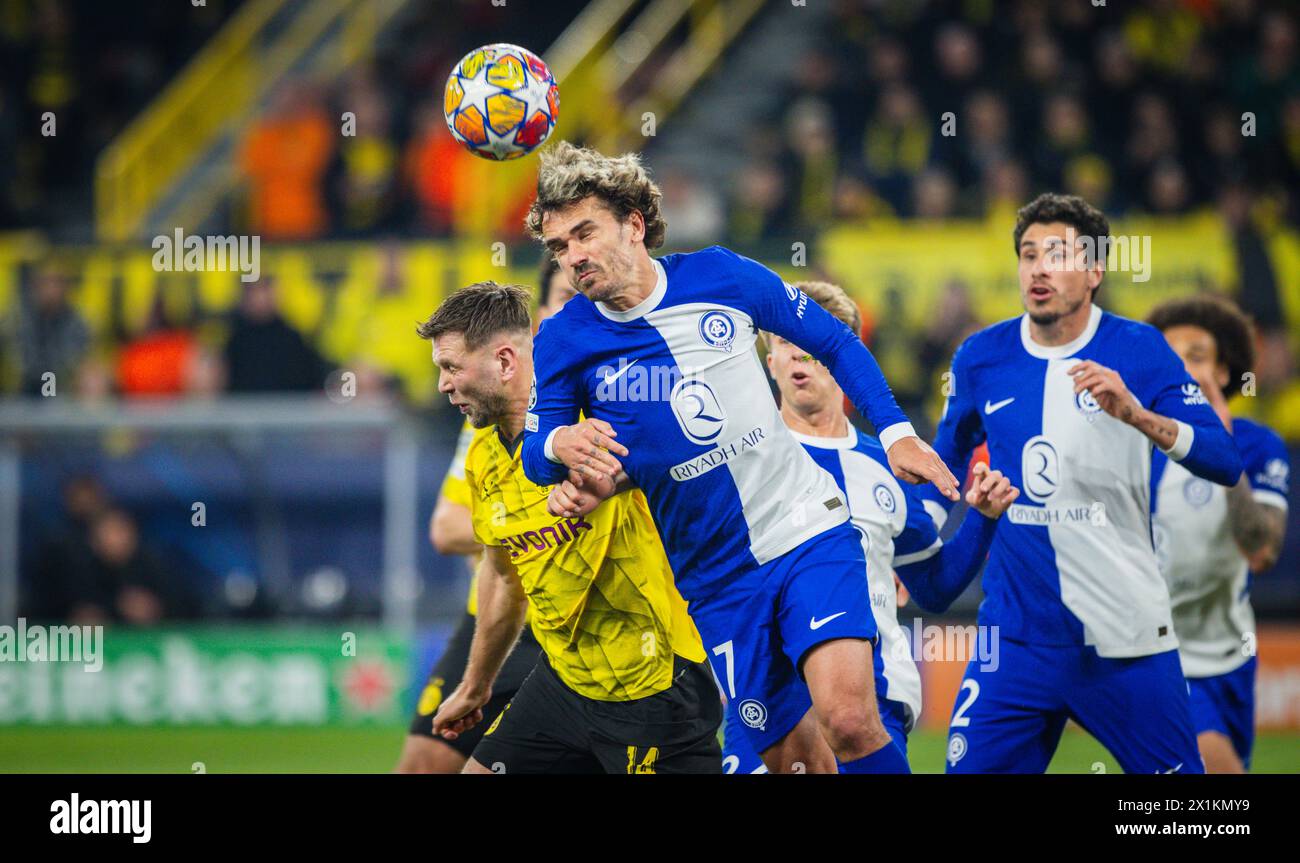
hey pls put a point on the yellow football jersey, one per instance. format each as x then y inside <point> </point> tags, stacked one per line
<point>604,606</point>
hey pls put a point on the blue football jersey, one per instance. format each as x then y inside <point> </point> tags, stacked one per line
<point>1072,561</point>
<point>680,381</point>
<point>1208,577</point>
<point>895,529</point>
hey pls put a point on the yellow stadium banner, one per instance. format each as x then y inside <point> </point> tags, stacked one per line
<point>360,301</point>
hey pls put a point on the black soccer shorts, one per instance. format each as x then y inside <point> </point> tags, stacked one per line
<point>549,728</point>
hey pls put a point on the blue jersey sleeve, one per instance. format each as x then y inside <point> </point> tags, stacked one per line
<point>919,538</point>
<point>961,428</point>
<point>1203,445</point>
<point>1266,460</point>
<point>937,580</point>
<point>788,312</point>
<point>557,400</point>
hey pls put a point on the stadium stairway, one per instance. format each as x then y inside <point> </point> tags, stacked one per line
<point>173,164</point>
<point>749,82</point>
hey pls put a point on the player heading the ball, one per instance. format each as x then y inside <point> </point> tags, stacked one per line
<point>757,533</point>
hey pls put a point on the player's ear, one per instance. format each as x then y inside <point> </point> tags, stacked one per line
<point>1095,274</point>
<point>507,360</point>
<point>636,222</point>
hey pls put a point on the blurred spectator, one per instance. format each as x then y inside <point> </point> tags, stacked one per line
<point>934,196</point>
<point>284,159</point>
<point>896,145</point>
<point>159,361</point>
<point>692,208</point>
<point>367,170</point>
<point>52,336</point>
<point>96,571</point>
<point>65,556</point>
<point>958,64</point>
<point>1168,192</point>
<point>952,322</point>
<point>264,353</point>
<point>434,167</point>
<point>812,161</point>
<point>759,210</point>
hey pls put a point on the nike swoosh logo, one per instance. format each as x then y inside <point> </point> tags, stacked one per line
<point>814,623</point>
<point>990,407</point>
<point>610,378</point>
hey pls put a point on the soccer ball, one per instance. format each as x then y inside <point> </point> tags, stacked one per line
<point>501,102</point>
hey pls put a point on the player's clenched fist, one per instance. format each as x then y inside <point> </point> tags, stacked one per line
<point>589,447</point>
<point>462,710</point>
<point>1107,387</point>
<point>578,496</point>
<point>990,492</point>
<point>913,460</point>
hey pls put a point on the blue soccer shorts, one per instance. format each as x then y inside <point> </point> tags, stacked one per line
<point>758,629</point>
<point>1226,703</point>
<point>1009,714</point>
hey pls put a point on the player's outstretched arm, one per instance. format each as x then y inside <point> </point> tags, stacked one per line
<point>1183,429</point>
<point>913,460</point>
<point>789,313</point>
<point>502,606</point>
<point>938,580</point>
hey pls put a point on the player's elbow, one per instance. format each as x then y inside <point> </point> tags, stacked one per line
<point>451,533</point>
<point>931,603</point>
<point>1215,458</point>
<point>922,591</point>
<point>1263,559</point>
<point>1228,470</point>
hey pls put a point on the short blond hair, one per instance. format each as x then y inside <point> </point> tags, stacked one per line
<point>568,174</point>
<point>833,299</point>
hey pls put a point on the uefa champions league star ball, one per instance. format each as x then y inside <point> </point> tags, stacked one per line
<point>501,102</point>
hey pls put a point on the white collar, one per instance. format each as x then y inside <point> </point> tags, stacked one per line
<point>1060,352</point>
<point>649,304</point>
<point>847,441</point>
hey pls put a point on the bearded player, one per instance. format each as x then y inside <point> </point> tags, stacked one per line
<point>1071,401</point>
<point>757,533</point>
<point>451,530</point>
<point>622,686</point>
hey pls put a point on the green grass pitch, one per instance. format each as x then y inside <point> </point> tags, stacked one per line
<point>374,750</point>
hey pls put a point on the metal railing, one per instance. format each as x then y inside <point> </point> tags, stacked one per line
<point>215,97</point>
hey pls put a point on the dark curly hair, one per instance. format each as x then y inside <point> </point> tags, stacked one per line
<point>1071,210</point>
<point>1219,316</point>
